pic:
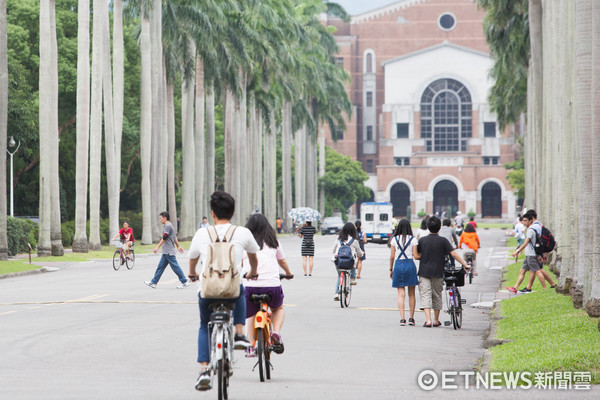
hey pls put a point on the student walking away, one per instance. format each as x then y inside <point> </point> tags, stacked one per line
<point>223,233</point>
<point>423,230</point>
<point>470,239</point>
<point>204,223</point>
<point>448,232</point>
<point>472,222</point>
<point>346,251</point>
<point>270,259</point>
<point>362,240</point>
<point>403,270</point>
<point>520,232</point>
<point>169,245</point>
<point>432,251</point>
<point>532,263</point>
<point>307,232</point>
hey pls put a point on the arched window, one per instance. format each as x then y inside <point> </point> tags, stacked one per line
<point>446,114</point>
<point>369,62</point>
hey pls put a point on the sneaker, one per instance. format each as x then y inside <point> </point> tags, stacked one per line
<point>277,342</point>
<point>336,298</point>
<point>411,321</point>
<point>511,289</point>
<point>250,352</point>
<point>402,322</point>
<point>525,290</point>
<point>203,381</point>
<point>553,286</point>
<point>353,282</point>
<point>149,283</point>
<point>240,342</point>
<point>184,284</point>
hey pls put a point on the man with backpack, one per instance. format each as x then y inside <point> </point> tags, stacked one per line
<point>220,247</point>
<point>533,260</point>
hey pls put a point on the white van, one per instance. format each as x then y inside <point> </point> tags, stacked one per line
<point>377,220</point>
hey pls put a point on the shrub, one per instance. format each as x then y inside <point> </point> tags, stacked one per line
<point>67,230</point>
<point>20,232</point>
<point>471,213</point>
<point>421,213</point>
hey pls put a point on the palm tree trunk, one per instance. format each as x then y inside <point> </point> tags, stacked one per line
<point>171,154</point>
<point>592,300</point>
<point>80,244</point>
<point>146,128</point>
<point>3,126</point>
<point>188,211</point>
<point>228,128</point>
<point>322,171</point>
<point>112,175</point>
<point>210,141</point>
<point>583,101</point>
<point>299,171</point>
<point>199,142</point>
<point>257,156</point>
<point>156,163</point>
<point>118,90</point>
<point>164,143</point>
<point>286,163</point>
<point>55,228</point>
<point>270,171</point>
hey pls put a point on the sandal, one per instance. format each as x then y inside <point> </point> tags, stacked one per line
<point>427,324</point>
<point>436,324</point>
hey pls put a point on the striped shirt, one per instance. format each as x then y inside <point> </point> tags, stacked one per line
<point>308,245</point>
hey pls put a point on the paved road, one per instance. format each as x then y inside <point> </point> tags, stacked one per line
<point>89,332</point>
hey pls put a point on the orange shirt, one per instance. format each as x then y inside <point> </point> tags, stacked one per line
<point>470,239</point>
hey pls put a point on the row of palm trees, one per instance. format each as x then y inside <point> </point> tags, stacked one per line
<point>562,145</point>
<point>269,63</point>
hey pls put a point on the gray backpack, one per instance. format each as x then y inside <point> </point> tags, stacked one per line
<point>220,277</point>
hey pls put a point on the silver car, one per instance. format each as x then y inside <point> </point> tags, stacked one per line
<point>332,225</point>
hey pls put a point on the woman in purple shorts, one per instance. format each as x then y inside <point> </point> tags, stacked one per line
<point>270,258</point>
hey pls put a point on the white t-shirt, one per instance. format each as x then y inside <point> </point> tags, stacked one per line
<point>408,251</point>
<point>268,267</point>
<point>421,233</point>
<point>520,231</point>
<point>242,240</point>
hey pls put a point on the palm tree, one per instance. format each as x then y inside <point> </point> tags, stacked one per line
<point>157,97</point>
<point>199,142</point>
<point>80,243</point>
<point>118,90</point>
<point>3,126</point>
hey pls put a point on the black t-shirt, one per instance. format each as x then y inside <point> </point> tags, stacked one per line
<point>433,249</point>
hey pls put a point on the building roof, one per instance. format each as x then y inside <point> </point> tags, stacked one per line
<point>381,11</point>
<point>444,44</point>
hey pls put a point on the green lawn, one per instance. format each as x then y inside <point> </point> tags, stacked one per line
<point>7,267</point>
<point>546,333</point>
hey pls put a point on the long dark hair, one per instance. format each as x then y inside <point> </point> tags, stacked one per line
<point>403,228</point>
<point>358,225</point>
<point>347,232</point>
<point>262,231</point>
<point>425,222</point>
<point>469,228</point>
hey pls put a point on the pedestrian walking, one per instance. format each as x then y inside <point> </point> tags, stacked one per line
<point>423,230</point>
<point>169,244</point>
<point>403,271</point>
<point>362,240</point>
<point>307,250</point>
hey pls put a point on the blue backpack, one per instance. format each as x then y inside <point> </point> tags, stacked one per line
<point>345,259</point>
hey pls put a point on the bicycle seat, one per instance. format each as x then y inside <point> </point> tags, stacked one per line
<point>223,306</point>
<point>219,316</point>
<point>260,298</point>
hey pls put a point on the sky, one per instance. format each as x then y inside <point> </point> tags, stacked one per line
<point>354,7</point>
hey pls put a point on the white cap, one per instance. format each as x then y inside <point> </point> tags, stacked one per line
<point>458,213</point>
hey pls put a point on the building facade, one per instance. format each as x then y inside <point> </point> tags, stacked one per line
<point>421,125</point>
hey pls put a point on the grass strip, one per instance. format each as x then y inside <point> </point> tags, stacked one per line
<point>546,333</point>
<point>8,267</point>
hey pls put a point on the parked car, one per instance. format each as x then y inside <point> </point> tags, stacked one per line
<point>332,225</point>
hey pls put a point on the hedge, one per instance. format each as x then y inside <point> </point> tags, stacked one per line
<point>20,232</point>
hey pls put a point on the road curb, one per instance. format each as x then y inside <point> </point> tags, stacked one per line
<point>23,273</point>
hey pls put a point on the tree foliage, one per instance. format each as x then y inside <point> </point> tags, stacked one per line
<point>506,27</point>
<point>343,181</point>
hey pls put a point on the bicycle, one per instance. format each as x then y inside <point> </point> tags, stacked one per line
<point>345,287</point>
<point>469,261</point>
<point>119,257</point>
<point>221,346</point>
<point>263,327</point>
<point>454,277</point>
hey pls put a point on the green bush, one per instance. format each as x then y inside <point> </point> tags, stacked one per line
<point>20,232</point>
<point>421,213</point>
<point>67,230</point>
<point>471,213</point>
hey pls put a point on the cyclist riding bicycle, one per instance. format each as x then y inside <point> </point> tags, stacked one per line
<point>222,207</point>
<point>270,259</point>
<point>127,239</point>
<point>470,239</point>
<point>348,236</point>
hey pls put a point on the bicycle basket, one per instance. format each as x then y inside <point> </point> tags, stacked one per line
<point>459,274</point>
<point>119,245</point>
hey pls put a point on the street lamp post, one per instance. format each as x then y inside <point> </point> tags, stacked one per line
<point>11,143</point>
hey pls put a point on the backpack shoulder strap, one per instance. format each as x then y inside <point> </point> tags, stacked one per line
<point>350,242</point>
<point>212,233</point>
<point>229,233</point>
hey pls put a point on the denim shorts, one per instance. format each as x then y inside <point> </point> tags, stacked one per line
<point>276,294</point>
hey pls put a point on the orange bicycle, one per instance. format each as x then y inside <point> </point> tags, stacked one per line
<point>263,327</point>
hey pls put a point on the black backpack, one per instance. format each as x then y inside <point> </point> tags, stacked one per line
<point>545,242</point>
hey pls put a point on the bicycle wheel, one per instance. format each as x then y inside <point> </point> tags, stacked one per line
<point>470,263</point>
<point>131,261</point>
<point>117,260</point>
<point>221,381</point>
<point>342,285</point>
<point>267,358</point>
<point>347,289</point>
<point>260,351</point>
<point>458,310</point>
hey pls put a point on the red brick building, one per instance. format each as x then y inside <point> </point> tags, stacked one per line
<point>421,125</point>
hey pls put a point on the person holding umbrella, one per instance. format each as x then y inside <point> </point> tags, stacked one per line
<point>307,249</point>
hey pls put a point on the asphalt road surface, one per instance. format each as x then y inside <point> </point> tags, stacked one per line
<point>86,331</point>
